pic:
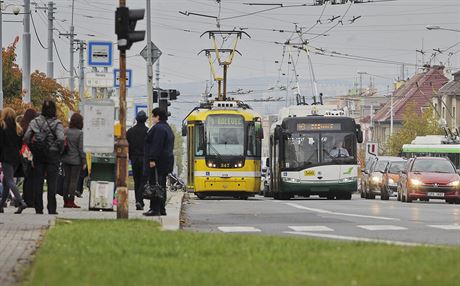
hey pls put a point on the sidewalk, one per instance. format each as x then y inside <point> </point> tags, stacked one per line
<point>20,235</point>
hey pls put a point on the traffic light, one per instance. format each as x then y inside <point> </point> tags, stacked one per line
<point>173,94</point>
<point>155,95</point>
<point>125,23</point>
<point>163,101</point>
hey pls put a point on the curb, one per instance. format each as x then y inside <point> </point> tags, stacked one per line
<point>173,209</point>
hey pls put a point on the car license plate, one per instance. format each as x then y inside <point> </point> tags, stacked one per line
<point>432,194</point>
<point>309,173</point>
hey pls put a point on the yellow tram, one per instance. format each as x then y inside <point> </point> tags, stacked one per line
<point>224,150</point>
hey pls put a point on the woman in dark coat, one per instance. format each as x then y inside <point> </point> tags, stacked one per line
<point>28,187</point>
<point>11,142</point>
<point>159,156</point>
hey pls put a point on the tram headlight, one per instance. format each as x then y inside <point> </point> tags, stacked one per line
<point>240,165</point>
<point>210,164</point>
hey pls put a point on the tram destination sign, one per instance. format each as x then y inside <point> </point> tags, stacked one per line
<point>226,120</point>
<point>319,126</point>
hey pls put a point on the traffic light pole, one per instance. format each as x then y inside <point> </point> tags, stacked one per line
<point>149,64</point>
<point>121,147</point>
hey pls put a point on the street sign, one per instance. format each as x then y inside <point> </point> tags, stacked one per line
<point>371,149</point>
<point>156,53</point>
<point>99,79</point>
<point>116,77</point>
<point>100,54</point>
<point>139,107</point>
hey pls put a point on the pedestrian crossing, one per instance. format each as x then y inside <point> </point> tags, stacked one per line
<point>323,228</point>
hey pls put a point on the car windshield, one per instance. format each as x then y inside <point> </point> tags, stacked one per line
<point>434,166</point>
<point>381,166</point>
<point>396,167</point>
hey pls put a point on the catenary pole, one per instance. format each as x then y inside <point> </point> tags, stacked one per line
<point>149,62</point>
<point>26,51</point>
<point>50,64</point>
<point>1,57</point>
<point>81,77</point>
<point>121,147</point>
<point>71,65</point>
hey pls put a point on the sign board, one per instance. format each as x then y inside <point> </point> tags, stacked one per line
<point>100,54</point>
<point>156,53</point>
<point>98,126</point>
<point>371,149</point>
<point>99,79</point>
<point>139,107</point>
<point>116,77</point>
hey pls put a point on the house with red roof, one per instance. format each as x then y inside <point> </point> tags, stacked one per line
<point>420,90</point>
<point>447,102</point>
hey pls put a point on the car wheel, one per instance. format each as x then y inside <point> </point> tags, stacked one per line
<point>346,196</point>
<point>403,198</point>
<point>408,199</point>
<point>363,195</point>
<point>449,201</point>
<point>398,197</point>
<point>371,196</point>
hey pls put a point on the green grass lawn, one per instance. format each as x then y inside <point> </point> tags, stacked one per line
<point>138,253</point>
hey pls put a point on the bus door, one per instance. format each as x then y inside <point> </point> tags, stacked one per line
<point>190,157</point>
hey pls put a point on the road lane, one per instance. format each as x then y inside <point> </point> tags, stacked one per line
<point>420,222</point>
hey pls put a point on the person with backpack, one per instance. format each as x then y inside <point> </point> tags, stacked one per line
<point>45,138</point>
<point>73,159</point>
<point>11,142</point>
<point>136,137</point>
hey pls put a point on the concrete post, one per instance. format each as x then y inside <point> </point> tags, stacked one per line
<point>149,62</point>
<point>26,51</point>
<point>1,57</point>
<point>50,64</point>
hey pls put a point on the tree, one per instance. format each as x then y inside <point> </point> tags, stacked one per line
<point>178,150</point>
<point>414,125</point>
<point>42,87</point>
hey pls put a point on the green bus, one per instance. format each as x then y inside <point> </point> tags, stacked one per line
<point>451,151</point>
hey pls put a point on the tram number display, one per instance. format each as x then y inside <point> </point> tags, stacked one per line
<point>318,126</point>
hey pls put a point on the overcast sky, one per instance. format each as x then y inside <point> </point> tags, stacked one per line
<point>390,31</point>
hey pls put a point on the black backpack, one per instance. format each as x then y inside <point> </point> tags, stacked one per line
<point>39,145</point>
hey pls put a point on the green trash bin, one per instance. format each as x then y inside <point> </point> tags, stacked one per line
<point>102,181</point>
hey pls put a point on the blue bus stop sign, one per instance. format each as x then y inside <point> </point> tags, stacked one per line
<point>100,54</point>
<point>116,78</point>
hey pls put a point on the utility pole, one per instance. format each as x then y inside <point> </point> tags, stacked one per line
<point>81,78</point>
<point>71,67</point>
<point>157,74</point>
<point>50,64</point>
<point>26,51</point>
<point>125,23</point>
<point>391,112</point>
<point>149,63</point>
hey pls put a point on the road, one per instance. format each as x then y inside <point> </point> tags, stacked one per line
<point>433,222</point>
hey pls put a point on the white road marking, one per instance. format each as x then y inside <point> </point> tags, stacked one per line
<point>238,229</point>
<point>311,228</point>
<point>355,238</point>
<point>446,226</point>
<point>382,227</point>
<point>340,214</point>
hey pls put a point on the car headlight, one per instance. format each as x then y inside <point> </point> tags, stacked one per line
<point>391,181</point>
<point>349,179</point>
<point>376,179</point>
<point>454,184</point>
<point>415,182</point>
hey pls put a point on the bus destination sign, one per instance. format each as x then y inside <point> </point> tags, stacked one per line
<point>319,126</point>
<point>225,120</point>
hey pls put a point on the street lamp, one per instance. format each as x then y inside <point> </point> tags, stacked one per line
<point>16,11</point>
<point>436,27</point>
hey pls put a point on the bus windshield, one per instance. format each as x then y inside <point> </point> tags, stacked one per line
<point>225,135</point>
<point>305,149</point>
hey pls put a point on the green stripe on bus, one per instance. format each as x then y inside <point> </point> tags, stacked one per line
<point>431,150</point>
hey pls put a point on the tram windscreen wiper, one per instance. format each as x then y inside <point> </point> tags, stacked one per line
<point>215,151</point>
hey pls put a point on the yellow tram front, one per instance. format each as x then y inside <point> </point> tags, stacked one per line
<point>224,150</point>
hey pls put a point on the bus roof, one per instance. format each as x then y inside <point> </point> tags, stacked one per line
<point>431,148</point>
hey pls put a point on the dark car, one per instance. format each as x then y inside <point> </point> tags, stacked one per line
<point>365,174</point>
<point>426,178</point>
<point>374,183</point>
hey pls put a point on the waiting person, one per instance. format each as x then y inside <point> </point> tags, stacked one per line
<point>11,142</point>
<point>159,156</point>
<point>338,150</point>
<point>73,159</point>
<point>136,138</point>
<point>28,187</point>
<point>45,137</point>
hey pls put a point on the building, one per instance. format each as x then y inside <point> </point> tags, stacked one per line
<point>447,103</point>
<point>419,90</point>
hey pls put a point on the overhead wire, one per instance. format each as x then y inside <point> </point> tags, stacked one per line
<point>59,56</point>
<point>36,34</point>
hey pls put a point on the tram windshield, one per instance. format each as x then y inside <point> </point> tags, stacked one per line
<point>307,149</point>
<point>225,135</point>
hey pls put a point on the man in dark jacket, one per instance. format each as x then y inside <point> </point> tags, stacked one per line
<point>136,138</point>
<point>159,156</point>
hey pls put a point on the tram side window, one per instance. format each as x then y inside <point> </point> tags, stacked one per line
<point>199,140</point>
<point>253,148</point>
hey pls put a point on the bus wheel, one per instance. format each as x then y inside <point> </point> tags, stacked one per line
<point>344,196</point>
<point>330,196</point>
<point>200,196</point>
<point>243,197</point>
